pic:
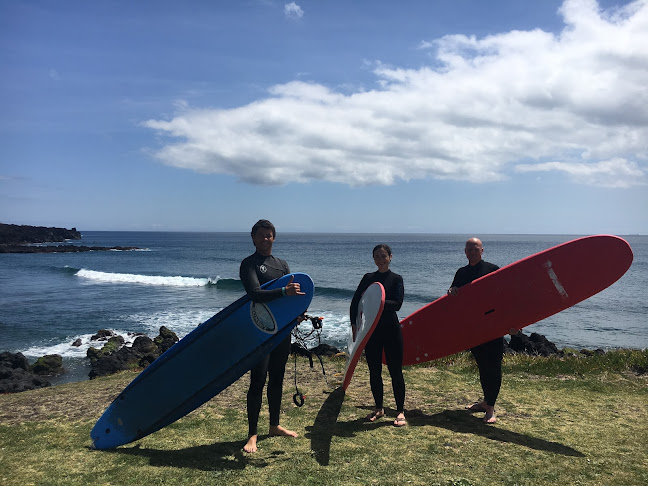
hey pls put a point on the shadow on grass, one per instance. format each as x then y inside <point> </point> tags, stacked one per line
<point>213,457</point>
<point>464,422</point>
<point>326,425</point>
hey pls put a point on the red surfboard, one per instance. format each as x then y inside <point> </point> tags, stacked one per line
<point>515,296</point>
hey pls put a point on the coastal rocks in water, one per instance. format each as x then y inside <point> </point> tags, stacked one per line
<point>535,344</point>
<point>15,375</point>
<point>13,234</point>
<point>114,356</point>
<point>21,239</point>
<point>48,365</point>
<point>61,248</point>
<point>166,339</point>
<point>102,335</point>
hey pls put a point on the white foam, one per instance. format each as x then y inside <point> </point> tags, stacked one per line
<point>67,350</point>
<point>129,278</point>
<point>335,327</point>
<point>335,330</point>
<point>182,323</point>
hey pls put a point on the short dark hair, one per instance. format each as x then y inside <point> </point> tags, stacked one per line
<point>263,223</point>
<point>382,246</point>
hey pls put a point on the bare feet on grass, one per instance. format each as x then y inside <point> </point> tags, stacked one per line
<point>275,431</point>
<point>278,430</point>
<point>489,416</point>
<point>477,407</point>
<point>251,444</point>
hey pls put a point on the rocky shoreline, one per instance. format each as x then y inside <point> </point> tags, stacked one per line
<point>13,234</point>
<point>61,248</point>
<point>17,375</point>
<point>35,239</point>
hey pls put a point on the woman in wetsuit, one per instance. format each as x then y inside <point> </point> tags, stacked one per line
<point>386,335</point>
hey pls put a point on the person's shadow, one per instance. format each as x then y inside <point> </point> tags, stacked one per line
<point>464,422</point>
<point>326,426</point>
<point>213,457</point>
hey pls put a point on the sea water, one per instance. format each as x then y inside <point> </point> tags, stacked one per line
<point>179,280</point>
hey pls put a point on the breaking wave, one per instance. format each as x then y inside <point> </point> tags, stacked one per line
<point>156,280</point>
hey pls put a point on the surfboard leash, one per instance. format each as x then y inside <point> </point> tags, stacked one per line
<point>301,341</point>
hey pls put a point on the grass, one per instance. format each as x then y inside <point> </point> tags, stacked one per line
<point>572,420</point>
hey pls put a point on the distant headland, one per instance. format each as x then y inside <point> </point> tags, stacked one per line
<point>35,239</point>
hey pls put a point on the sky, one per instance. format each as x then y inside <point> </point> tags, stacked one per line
<point>420,116</point>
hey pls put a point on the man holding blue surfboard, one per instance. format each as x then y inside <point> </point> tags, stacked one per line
<point>255,270</point>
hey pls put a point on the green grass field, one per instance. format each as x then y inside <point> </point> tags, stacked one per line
<point>572,420</point>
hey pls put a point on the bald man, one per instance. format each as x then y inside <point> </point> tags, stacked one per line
<point>488,355</point>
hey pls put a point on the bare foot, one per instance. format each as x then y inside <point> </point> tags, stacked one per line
<point>477,407</point>
<point>251,445</point>
<point>278,430</point>
<point>489,417</point>
<point>400,420</point>
<point>375,415</point>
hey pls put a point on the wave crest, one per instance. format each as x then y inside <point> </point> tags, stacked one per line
<point>157,280</point>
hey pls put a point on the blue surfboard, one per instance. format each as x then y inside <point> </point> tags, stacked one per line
<point>202,364</point>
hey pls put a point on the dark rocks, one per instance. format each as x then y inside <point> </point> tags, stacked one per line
<point>14,360</point>
<point>323,349</point>
<point>22,239</point>
<point>102,335</point>
<point>15,375</point>
<point>535,344</point>
<point>114,356</point>
<point>61,248</point>
<point>13,234</point>
<point>48,365</point>
<point>165,340</point>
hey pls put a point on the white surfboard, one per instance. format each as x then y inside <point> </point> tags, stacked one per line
<point>370,309</point>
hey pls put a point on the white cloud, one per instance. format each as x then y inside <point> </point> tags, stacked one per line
<point>616,173</point>
<point>579,97</point>
<point>293,11</point>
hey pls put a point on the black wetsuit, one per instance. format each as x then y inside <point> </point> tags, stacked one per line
<point>488,355</point>
<point>255,271</point>
<point>387,335</point>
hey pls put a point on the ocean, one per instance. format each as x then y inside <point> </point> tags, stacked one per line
<point>179,280</point>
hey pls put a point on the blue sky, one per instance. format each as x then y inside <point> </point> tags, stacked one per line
<point>326,115</point>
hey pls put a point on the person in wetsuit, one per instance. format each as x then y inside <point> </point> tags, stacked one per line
<point>487,355</point>
<point>386,336</point>
<point>255,270</point>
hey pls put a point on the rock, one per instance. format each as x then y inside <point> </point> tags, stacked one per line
<point>77,343</point>
<point>61,248</point>
<point>114,356</point>
<point>12,234</point>
<point>48,365</point>
<point>165,339</point>
<point>103,335</point>
<point>15,375</point>
<point>14,360</point>
<point>105,365</point>
<point>144,345</point>
<point>536,344</point>
<point>323,349</point>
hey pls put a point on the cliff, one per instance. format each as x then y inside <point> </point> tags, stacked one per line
<point>12,234</point>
